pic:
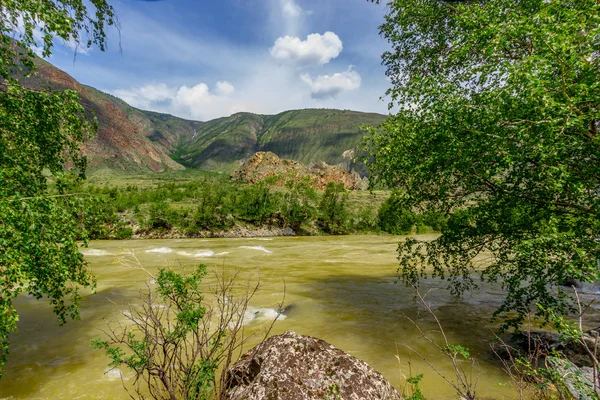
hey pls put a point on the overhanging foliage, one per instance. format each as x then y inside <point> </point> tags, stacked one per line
<point>498,129</point>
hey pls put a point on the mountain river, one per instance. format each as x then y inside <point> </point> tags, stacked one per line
<point>341,289</point>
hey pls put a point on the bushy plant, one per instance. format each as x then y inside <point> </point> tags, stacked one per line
<point>181,335</point>
<point>256,203</point>
<point>395,217</point>
<point>213,210</point>
<point>298,203</point>
<point>366,219</point>
<point>158,216</point>
<point>434,219</point>
<point>333,210</point>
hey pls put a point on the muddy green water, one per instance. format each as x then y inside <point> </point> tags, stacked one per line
<point>342,290</point>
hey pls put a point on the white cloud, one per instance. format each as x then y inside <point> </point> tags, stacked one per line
<point>267,89</point>
<point>196,102</point>
<point>78,48</point>
<point>328,86</point>
<point>290,8</point>
<point>19,32</point>
<point>287,17</point>
<point>145,96</point>
<point>316,50</point>
<point>224,88</point>
<point>160,57</point>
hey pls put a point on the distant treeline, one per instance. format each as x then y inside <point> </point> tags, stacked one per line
<point>194,208</point>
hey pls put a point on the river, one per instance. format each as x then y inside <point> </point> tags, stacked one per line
<point>342,289</point>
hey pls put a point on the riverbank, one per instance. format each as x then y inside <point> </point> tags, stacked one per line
<point>213,207</point>
<point>238,231</point>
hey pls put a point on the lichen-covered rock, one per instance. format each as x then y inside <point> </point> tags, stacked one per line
<point>265,165</point>
<point>294,367</point>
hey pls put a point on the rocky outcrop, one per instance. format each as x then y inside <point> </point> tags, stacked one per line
<point>264,165</point>
<point>544,344</point>
<point>571,359</point>
<point>292,367</point>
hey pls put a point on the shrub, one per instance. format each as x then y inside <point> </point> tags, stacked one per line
<point>212,210</point>
<point>394,217</point>
<point>333,210</point>
<point>158,216</point>
<point>256,203</point>
<point>298,203</point>
<point>366,220</point>
<point>436,220</point>
<point>182,334</point>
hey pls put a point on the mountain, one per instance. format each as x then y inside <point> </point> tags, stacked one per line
<point>308,136</point>
<point>127,139</point>
<point>130,139</point>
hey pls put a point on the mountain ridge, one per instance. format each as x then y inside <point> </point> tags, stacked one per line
<point>132,139</point>
<point>308,136</point>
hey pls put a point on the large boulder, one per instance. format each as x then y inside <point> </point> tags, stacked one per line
<point>292,367</point>
<point>265,165</point>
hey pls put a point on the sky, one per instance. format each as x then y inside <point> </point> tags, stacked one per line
<point>201,59</point>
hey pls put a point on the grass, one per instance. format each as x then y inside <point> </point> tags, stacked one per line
<point>122,179</point>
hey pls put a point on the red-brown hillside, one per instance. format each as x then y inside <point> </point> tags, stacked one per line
<point>127,138</point>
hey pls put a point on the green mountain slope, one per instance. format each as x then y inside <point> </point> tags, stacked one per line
<point>308,136</point>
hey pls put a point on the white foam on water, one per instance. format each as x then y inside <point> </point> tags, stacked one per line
<point>330,261</point>
<point>264,239</point>
<point>257,248</point>
<point>222,253</point>
<point>113,374</point>
<point>95,252</point>
<point>161,250</point>
<point>261,314</point>
<point>197,254</point>
<point>129,316</point>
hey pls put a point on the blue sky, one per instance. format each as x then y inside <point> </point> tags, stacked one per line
<point>207,59</point>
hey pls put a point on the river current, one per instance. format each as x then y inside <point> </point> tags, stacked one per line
<point>341,289</point>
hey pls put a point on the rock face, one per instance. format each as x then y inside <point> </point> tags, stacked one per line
<point>265,165</point>
<point>293,367</point>
<point>127,139</point>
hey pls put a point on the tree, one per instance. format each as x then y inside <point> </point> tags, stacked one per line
<point>497,128</point>
<point>40,133</point>
<point>394,217</point>
<point>333,210</point>
<point>298,203</point>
